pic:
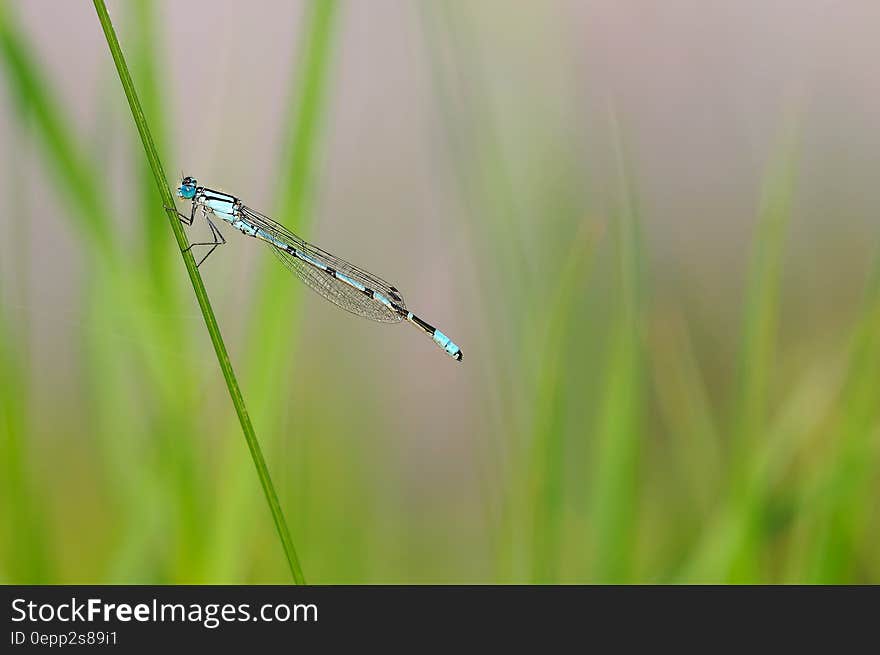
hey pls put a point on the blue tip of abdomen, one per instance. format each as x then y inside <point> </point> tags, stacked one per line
<point>447,344</point>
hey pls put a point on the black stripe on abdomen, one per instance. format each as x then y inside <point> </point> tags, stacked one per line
<point>427,327</point>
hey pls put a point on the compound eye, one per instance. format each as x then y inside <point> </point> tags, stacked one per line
<point>187,189</point>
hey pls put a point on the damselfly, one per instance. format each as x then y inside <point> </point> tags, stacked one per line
<point>343,284</point>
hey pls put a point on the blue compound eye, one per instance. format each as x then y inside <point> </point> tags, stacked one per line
<point>187,188</point>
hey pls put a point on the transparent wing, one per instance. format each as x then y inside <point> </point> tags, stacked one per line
<point>336,291</point>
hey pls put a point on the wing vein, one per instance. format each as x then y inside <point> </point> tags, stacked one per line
<point>310,263</point>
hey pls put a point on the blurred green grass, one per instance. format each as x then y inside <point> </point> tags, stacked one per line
<point>600,454</point>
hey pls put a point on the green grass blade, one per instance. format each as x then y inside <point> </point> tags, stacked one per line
<point>26,535</point>
<point>548,446</point>
<point>306,114</point>
<point>123,285</point>
<point>200,292</point>
<point>762,295</point>
<point>271,349</point>
<point>146,48</point>
<point>25,532</point>
<point>841,506</point>
<point>758,354</point>
<point>732,543</point>
<point>272,319</point>
<point>67,162</point>
<point>297,174</point>
<point>684,405</point>
<point>615,466</point>
<point>146,69</point>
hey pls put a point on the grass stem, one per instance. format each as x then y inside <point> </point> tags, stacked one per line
<point>201,294</point>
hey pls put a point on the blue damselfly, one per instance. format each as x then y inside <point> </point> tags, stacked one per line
<point>344,284</point>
